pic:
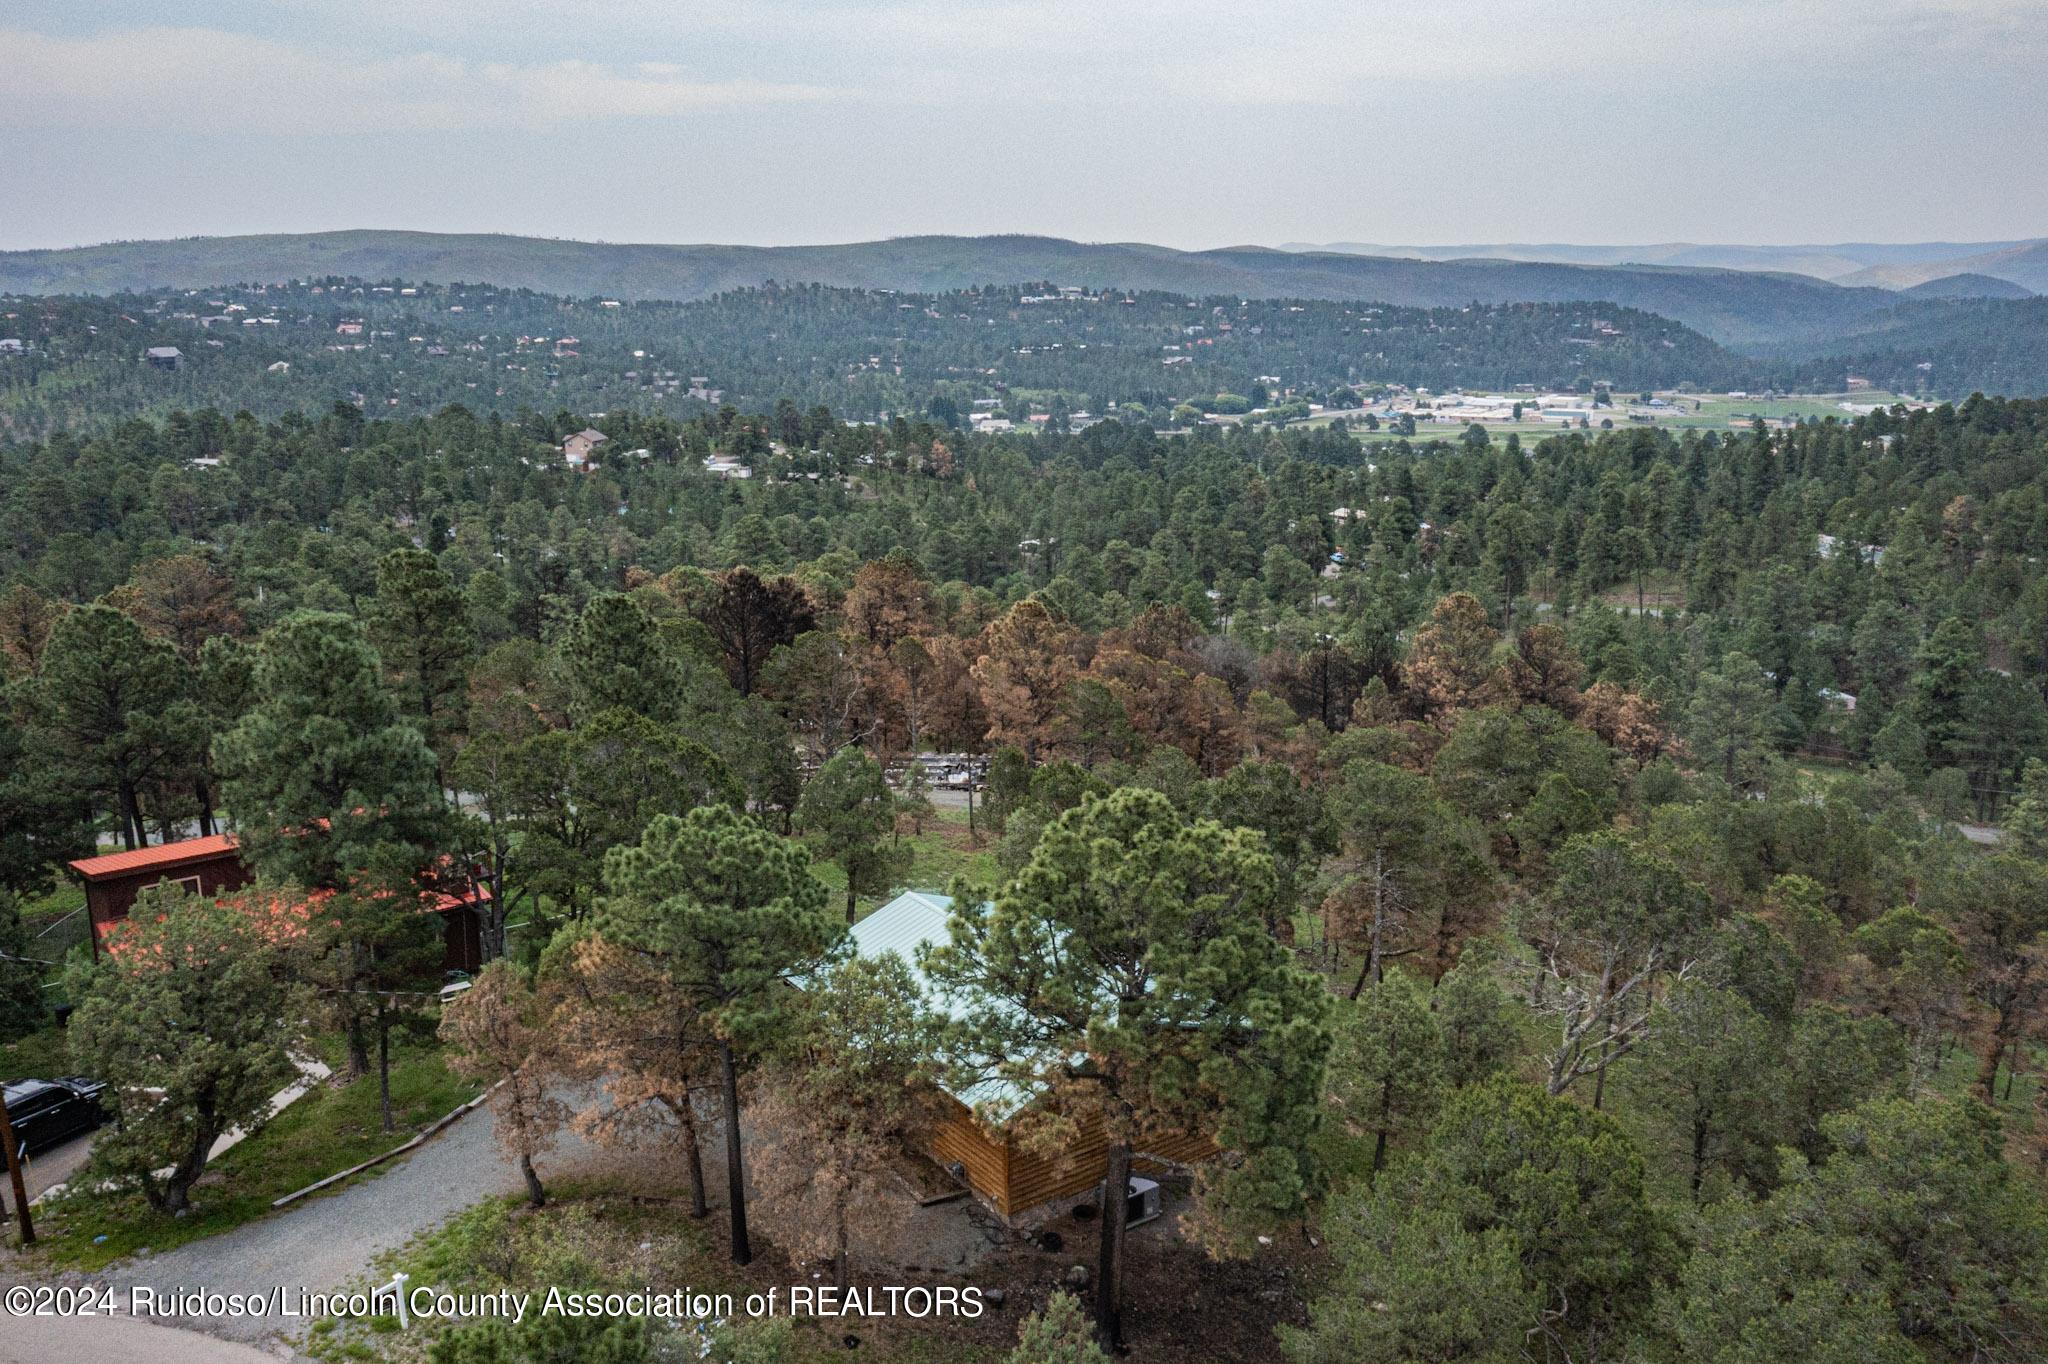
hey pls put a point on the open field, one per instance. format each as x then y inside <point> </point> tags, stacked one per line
<point>1688,411</point>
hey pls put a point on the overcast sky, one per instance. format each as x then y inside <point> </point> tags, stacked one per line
<point>1188,122</point>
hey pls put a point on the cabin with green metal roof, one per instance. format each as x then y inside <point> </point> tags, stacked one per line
<point>973,1139</point>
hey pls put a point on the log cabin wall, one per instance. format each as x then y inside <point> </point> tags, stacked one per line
<point>1014,1181</point>
<point>1040,1179</point>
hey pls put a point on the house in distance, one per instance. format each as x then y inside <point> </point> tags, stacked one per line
<point>578,449</point>
<point>213,866</point>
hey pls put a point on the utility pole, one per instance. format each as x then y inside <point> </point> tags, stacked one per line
<point>28,1228</point>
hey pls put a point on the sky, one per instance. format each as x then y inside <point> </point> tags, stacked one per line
<point>1191,123</point>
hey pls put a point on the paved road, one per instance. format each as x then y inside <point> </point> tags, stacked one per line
<point>322,1243</point>
<point>55,1165</point>
<point>115,1340</point>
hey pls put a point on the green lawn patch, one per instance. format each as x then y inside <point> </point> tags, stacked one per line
<point>326,1131</point>
<point>943,851</point>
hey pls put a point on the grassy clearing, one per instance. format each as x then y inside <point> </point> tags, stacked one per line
<point>2018,1093</point>
<point>326,1131</point>
<point>943,851</point>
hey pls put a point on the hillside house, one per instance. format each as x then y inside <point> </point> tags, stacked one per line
<point>973,1140</point>
<point>578,449</point>
<point>164,357</point>
<point>213,866</point>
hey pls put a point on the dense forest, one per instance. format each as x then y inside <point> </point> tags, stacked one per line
<point>1947,346</point>
<point>1541,870</point>
<point>403,349</point>
<point>415,349</point>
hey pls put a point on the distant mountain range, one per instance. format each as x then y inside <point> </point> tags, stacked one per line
<point>1894,265</point>
<point>1968,286</point>
<point>1740,308</point>
<point>1751,298</point>
<point>2021,263</point>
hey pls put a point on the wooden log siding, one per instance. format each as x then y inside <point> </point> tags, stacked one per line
<point>1038,1179</point>
<point>959,1136</point>
<point>1013,1179</point>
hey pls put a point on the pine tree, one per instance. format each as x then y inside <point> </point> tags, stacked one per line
<point>1729,719</point>
<point>421,628</point>
<point>616,658</point>
<point>1949,664</point>
<point>335,796</point>
<point>730,914</point>
<point>1523,1224</point>
<point>1138,939</point>
<point>498,1035</point>
<point>1057,1333</point>
<point>850,814</point>
<point>187,1020</point>
<point>1386,1072</point>
<point>2026,819</point>
<point>915,800</point>
<point>846,1087</point>
<point>111,704</point>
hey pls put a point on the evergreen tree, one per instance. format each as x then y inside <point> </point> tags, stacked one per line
<point>421,628</point>
<point>1704,1081</point>
<point>1522,1226</point>
<point>1912,1239</point>
<point>1058,1333</point>
<point>44,817</point>
<point>2026,820</point>
<point>1944,680</point>
<point>730,914</point>
<point>1137,939</point>
<point>111,706</point>
<point>335,798</point>
<point>850,814</point>
<point>1729,719</point>
<point>187,1020</point>
<point>1386,1072</point>
<point>616,658</point>
<point>850,1081</point>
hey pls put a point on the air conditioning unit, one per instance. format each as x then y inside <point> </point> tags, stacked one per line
<point>1141,1203</point>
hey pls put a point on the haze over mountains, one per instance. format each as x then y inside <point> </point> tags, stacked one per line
<point>1739,308</point>
<point>1885,265</point>
<point>1908,311</point>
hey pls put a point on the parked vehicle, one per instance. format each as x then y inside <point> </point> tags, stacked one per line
<point>47,1113</point>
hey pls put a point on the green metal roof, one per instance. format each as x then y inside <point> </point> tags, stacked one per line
<point>915,919</point>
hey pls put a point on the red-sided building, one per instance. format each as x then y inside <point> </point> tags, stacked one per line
<point>213,866</point>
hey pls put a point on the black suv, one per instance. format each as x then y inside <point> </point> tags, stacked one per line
<point>46,1113</point>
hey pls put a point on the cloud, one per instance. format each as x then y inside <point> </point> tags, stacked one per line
<point>193,79</point>
<point>328,65</point>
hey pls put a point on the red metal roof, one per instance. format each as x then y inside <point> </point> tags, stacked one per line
<point>162,857</point>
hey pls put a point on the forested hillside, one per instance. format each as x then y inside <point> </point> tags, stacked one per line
<point>1735,307</point>
<point>1536,869</point>
<point>1949,346</point>
<point>413,349</point>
